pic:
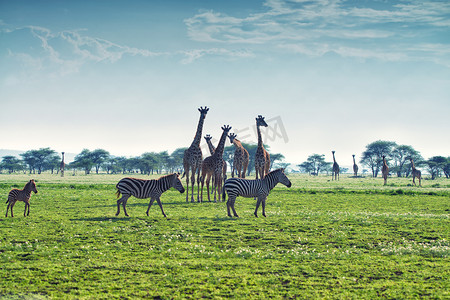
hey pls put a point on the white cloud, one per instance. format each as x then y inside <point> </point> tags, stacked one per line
<point>195,54</point>
<point>317,27</point>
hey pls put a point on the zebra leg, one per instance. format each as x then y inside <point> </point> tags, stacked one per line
<point>257,206</point>
<point>229,206</point>
<point>122,201</point>
<point>160,205</point>
<point>232,207</point>
<point>150,204</point>
<point>7,208</point>
<point>27,205</point>
<point>263,204</point>
<point>11,206</point>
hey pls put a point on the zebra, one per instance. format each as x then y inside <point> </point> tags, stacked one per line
<point>259,188</point>
<point>142,189</point>
<point>21,195</point>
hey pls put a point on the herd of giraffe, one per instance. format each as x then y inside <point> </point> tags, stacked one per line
<point>214,167</point>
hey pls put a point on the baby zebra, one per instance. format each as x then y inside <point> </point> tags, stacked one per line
<point>142,189</point>
<point>253,188</point>
<point>21,195</point>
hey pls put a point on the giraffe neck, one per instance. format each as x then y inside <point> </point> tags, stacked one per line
<point>334,159</point>
<point>412,165</point>
<point>260,142</point>
<point>198,134</point>
<point>221,145</point>
<point>237,143</point>
<point>354,160</point>
<point>211,147</point>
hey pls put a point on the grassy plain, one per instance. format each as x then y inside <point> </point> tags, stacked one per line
<point>352,239</point>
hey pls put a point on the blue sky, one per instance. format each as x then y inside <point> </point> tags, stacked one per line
<point>128,76</point>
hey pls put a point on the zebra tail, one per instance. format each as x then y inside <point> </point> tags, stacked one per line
<point>224,194</point>
<point>118,193</point>
<point>184,173</point>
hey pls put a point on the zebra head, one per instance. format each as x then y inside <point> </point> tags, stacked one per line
<point>176,183</point>
<point>32,186</point>
<point>232,136</point>
<point>260,121</point>
<point>282,178</point>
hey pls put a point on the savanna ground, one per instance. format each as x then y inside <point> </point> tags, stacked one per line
<point>352,239</point>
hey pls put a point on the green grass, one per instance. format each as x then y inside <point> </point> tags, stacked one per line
<point>321,239</point>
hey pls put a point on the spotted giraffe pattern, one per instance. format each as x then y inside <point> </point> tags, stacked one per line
<point>241,157</point>
<point>336,169</point>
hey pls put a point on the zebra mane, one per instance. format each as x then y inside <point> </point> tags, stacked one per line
<point>29,184</point>
<point>275,171</point>
<point>167,176</point>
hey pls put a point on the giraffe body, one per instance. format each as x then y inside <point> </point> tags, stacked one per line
<point>385,170</point>
<point>241,157</point>
<point>262,157</point>
<point>193,157</point>
<point>62,165</point>
<point>336,169</point>
<point>213,166</point>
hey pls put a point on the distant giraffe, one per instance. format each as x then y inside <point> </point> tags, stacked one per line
<point>62,165</point>
<point>355,166</point>
<point>336,169</point>
<point>262,157</point>
<point>212,149</point>
<point>192,159</point>
<point>212,166</point>
<point>241,157</point>
<point>415,173</point>
<point>385,170</point>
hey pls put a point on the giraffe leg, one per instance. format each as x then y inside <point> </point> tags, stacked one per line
<point>219,186</point>
<point>198,184</point>
<point>208,180</point>
<point>150,204</point>
<point>193,183</point>
<point>186,171</point>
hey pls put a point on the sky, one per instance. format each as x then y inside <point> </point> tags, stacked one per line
<point>129,76</point>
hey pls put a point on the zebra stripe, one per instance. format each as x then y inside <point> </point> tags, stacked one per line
<point>259,188</point>
<point>142,189</point>
<point>21,195</point>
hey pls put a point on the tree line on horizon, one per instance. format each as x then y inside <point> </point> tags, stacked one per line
<point>397,157</point>
<point>46,159</point>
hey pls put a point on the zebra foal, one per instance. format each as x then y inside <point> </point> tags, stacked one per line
<point>142,189</point>
<point>21,195</point>
<point>248,188</point>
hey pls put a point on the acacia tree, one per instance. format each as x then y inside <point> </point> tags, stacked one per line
<point>435,164</point>
<point>401,155</point>
<point>98,158</point>
<point>83,161</point>
<point>314,164</point>
<point>11,163</point>
<point>37,159</point>
<point>372,157</point>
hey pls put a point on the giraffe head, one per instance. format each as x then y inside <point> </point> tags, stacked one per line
<point>333,152</point>
<point>226,128</point>
<point>208,137</point>
<point>203,111</point>
<point>232,137</point>
<point>260,121</point>
<point>353,155</point>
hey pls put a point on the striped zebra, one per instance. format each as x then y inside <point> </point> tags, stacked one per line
<point>21,195</point>
<point>259,188</point>
<point>142,189</point>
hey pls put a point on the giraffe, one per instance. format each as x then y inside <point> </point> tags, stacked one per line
<point>262,157</point>
<point>213,166</point>
<point>385,170</point>
<point>415,173</point>
<point>192,159</point>
<point>241,157</point>
<point>355,166</point>
<point>210,145</point>
<point>62,165</point>
<point>212,149</point>
<point>336,169</point>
